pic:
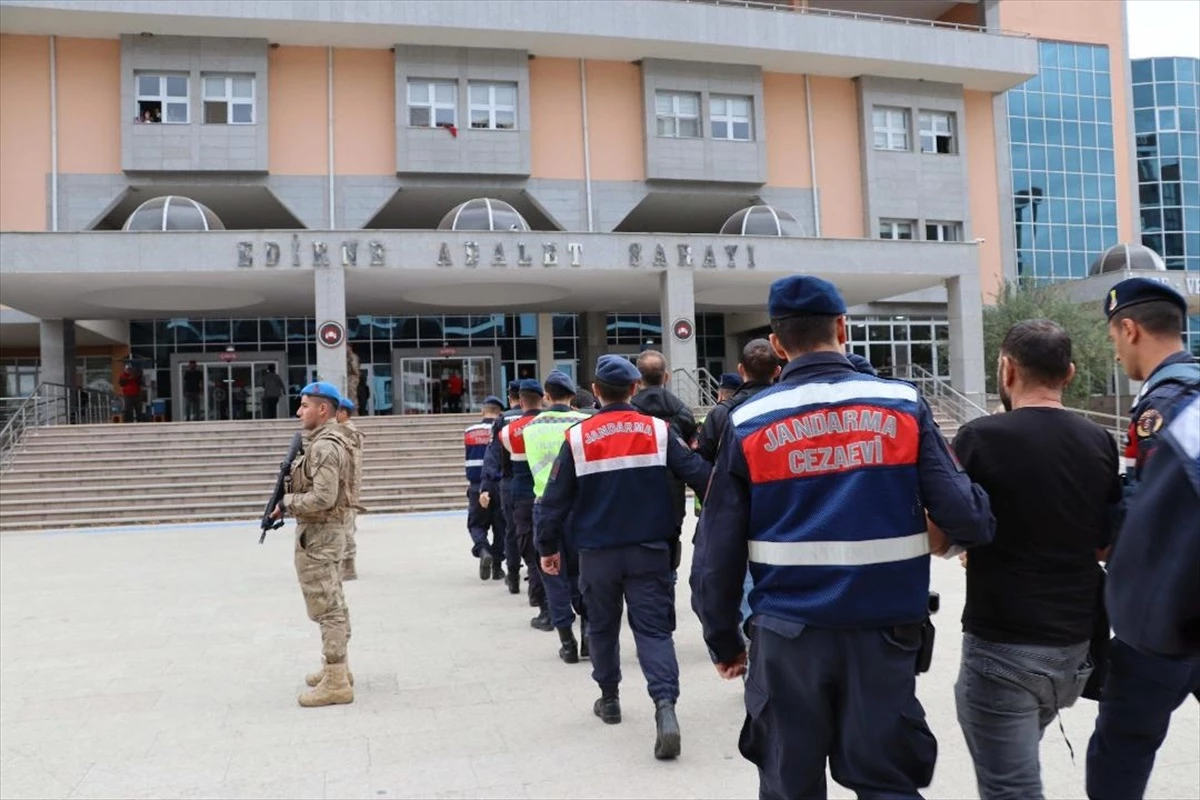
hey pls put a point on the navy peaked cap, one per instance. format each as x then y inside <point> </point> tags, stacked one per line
<point>798,295</point>
<point>530,385</point>
<point>492,400</point>
<point>731,380</point>
<point>562,380</point>
<point>616,371</point>
<point>1132,291</point>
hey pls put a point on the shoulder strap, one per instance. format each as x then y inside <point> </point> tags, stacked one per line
<point>1187,373</point>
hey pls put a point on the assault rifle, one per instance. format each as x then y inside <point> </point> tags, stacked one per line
<point>285,467</point>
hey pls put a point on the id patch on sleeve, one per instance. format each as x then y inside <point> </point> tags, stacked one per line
<point>1149,423</point>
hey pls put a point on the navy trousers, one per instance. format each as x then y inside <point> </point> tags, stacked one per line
<point>562,590</point>
<point>479,521</point>
<point>512,553</point>
<point>639,575</point>
<point>522,514</point>
<point>1140,694</point>
<point>843,696</point>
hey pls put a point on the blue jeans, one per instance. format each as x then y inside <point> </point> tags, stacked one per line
<point>1006,696</point>
<point>1140,694</point>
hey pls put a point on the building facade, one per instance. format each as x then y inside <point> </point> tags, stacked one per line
<point>336,144</point>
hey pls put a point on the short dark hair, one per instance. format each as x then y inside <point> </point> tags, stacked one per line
<point>584,399</point>
<point>1041,350</point>
<point>527,396</point>
<point>758,360</point>
<point>610,393</point>
<point>653,366</point>
<point>556,392</point>
<point>1159,318</point>
<point>805,332</point>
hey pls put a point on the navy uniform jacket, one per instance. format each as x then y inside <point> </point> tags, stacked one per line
<point>476,440</point>
<point>496,468</point>
<point>708,439</point>
<point>613,472</point>
<point>1153,592</point>
<point>1150,410</point>
<point>847,464</point>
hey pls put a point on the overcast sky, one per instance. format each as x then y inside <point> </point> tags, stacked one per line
<point>1164,28</point>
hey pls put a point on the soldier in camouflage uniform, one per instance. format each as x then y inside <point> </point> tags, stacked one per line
<point>345,410</point>
<point>319,499</point>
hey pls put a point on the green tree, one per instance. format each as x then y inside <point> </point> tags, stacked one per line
<point>1091,350</point>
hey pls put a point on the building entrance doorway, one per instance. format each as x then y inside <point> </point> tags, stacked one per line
<point>444,385</point>
<point>226,390</point>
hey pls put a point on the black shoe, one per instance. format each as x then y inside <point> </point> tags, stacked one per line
<point>584,650</point>
<point>569,652</point>
<point>485,566</point>
<point>514,582</point>
<point>608,709</point>
<point>667,744</point>
<point>497,570</point>
<point>542,621</point>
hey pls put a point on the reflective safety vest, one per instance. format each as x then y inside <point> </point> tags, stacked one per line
<point>837,533</point>
<point>699,424</point>
<point>512,436</point>
<point>544,438</point>
<point>476,440</point>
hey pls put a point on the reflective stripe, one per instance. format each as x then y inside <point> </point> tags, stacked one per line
<point>585,467</point>
<point>839,554</point>
<point>1185,429</point>
<point>475,463</point>
<point>809,394</point>
<point>518,457</point>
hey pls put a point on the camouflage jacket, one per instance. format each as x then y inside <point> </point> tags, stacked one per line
<point>320,478</point>
<point>356,462</point>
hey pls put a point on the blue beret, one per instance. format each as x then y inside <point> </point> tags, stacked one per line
<point>347,404</point>
<point>562,380</point>
<point>797,295</point>
<point>616,371</point>
<point>1132,291</point>
<point>514,386</point>
<point>731,380</point>
<point>323,389</point>
<point>492,400</point>
<point>530,385</point>
<point>860,363</point>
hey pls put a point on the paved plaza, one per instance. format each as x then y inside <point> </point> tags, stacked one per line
<point>164,662</point>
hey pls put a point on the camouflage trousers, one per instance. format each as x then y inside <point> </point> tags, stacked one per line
<point>351,545</point>
<point>318,568</point>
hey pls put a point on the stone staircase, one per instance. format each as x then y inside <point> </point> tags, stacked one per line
<point>85,475</point>
<point>93,475</point>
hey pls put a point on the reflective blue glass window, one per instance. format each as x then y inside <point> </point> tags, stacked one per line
<point>1104,134</point>
<point>1145,121</point>
<point>1100,59</point>
<point>1164,69</point>
<point>1185,69</point>
<point>1107,162</point>
<point>1048,54</point>
<point>1143,71</point>
<point>1185,94</point>
<point>1164,94</point>
<point>1143,96</point>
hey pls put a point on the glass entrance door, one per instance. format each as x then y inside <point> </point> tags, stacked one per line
<point>443,385</point>
<point>231,390</point>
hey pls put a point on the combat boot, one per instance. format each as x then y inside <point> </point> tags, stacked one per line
<point>497,570</point>
<point>608,708</point>
<point>569,652</point>
<point>334,688</point>
<point>485,566</point>
<point>313,678</point>
<point>542,621</point>
<point>514,582</point>
<point>667,744</point>
<point>349,573</point>
<point>584,650</point>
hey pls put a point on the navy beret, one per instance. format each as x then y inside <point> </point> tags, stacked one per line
<point>514,386</point>
<point>731,380</point>
<point>324,390</point>
<point>1132,291</point>
<point>562,380</point>
<point>798,295</point>
<point>616,371</point>
<point>492,400</point>
<point>530,385</point>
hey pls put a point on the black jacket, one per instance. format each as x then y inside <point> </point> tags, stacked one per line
<point>714,425</point>
<point>657,401</point>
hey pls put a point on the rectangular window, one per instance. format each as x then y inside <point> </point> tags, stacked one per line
<point>937,132</point>
<point>678,114</point>
<point>891,128</point>
<point>896,229</point>
<point>432,104</point>
<point>493,106</point>
<point>162,98</point>
<point>729,117</point>
<point>228,99</point>
<point>1168,120</point>
<point>943,232</point>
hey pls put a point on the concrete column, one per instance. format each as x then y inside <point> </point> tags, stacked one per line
<point>592,330</point>
<point>57,341</point>
<point>965,309</point>
<point>329,284</point>
<point>677,301</point>
<point>545,344</point>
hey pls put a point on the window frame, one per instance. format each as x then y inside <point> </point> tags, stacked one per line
<point>675,115</point>
<point>1158,119</point>
<point>432,105</point>
<point>729,119</point>
<point>943,227</point>
<point>893,227</point>
<point>931,131</point>
<point>228,97</point>
<point>889,130</point>
<point>161,97</point>
<point>492,107</point>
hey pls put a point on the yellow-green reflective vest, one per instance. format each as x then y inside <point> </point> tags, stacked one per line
<point>544,437</point>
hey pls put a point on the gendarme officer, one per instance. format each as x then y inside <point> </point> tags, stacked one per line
<point>611,477</point>
<point>319,497</point>
<point>495,487</point>
<point>822,482</point>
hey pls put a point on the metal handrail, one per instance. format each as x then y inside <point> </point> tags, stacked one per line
<point>701,381</point>
<point>52,404</point>
<point>867,15</point>
<point>940,393</point>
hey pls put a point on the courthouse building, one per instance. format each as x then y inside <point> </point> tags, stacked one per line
<point>497,188</point>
